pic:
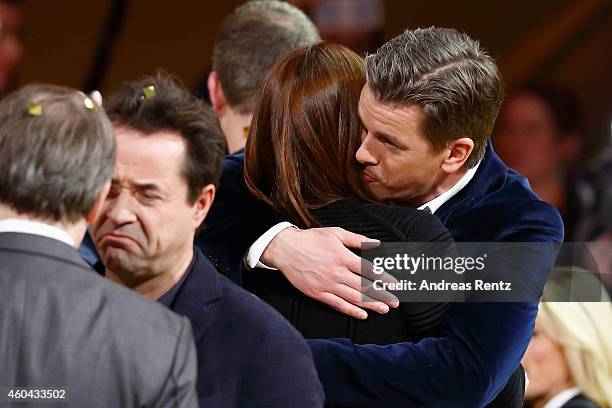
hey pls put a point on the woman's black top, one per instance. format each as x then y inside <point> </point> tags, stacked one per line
<point>410,322</point>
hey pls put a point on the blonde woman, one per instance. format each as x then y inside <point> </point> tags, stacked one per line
<point>569,359</point>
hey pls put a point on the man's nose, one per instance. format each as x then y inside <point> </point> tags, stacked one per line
<point>365,154</point>
<point>120,209</point>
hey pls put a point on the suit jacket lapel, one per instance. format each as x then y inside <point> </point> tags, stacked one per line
<point>198,297</point>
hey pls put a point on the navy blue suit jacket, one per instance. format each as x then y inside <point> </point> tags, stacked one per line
<point>248,354</point>
<point>484,343</point>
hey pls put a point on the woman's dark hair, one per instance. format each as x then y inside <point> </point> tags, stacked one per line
<point>300,152</point>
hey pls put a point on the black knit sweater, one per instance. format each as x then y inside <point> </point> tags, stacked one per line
<point>410,322</point>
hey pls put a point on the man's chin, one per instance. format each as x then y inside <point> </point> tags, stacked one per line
<point>379,193</point>
<point>119,260</point>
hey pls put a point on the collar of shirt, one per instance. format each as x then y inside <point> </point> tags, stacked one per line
<point>437,202</point>
<point>562,398</point>
<point>36,228</point>
<point>167,299</point>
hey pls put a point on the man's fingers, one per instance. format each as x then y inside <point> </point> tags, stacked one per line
<point>360,299</point>
<point>367,271</point>
<point>365,268</point>
<point>342,306</point>
<point>352,240</point>
<point>369,291</point>
<point>362,287</point>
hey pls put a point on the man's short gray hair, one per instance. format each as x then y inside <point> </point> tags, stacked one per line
<point>251,39</point>
<point>447,74</point>
<point>55,153</point>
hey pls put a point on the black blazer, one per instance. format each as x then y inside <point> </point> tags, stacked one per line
<point>248,355</point>
<point>63,326</point>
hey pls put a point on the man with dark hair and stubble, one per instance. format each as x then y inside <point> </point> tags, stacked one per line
<point>428,108</point>
<point>66,334</point>
<point>169,159</point>
<point>250,40</point>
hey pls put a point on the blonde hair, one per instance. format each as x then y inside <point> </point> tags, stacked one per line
<point>584,330</point>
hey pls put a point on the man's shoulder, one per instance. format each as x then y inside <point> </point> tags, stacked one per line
<point>512,212</point>
<point>84,315</point>
<point>89,294</point>
<point>235,303</point>
<point>233,164</point>
<point>234,160</point>
<point>524,211</point>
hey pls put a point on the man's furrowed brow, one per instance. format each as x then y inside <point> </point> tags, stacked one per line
<point>136,186</point>
<point>146,186</point>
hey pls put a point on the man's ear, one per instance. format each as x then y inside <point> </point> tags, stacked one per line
<point>98,204</point>
<point>203,204</point>
<point>459,151</point>
<point>215,90</point>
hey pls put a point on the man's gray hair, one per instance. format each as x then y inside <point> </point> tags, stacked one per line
<point>446,73</point>
<point>251,39</point>
<point>56,154</point>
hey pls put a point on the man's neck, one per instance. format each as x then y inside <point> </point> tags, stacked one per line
<point>444,183</point>
<point>157,283</point>
<point>235,128</point>
<point>76,231</point>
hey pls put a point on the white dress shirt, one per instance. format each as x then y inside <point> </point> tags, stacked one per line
<point>259,246</point>
<point>36,228</point>
<point>439,201</point>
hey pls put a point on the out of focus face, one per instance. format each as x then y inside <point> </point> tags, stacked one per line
<point>399,163</point>
<point>146,223</point>
<point>546,367</point>
<point>11,50</point>
<point>526,137</point>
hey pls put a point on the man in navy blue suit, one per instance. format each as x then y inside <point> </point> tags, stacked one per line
<point>169,158</point>
<point>428,108</point>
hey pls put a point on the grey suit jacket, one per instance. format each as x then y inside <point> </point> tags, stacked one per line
<point>62,326</point>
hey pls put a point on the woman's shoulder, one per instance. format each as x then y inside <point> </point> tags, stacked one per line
<point>387,221</point>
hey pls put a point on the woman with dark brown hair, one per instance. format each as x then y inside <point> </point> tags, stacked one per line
<point>300,159</point>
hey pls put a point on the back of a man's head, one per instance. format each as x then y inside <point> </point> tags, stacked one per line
<point>251,39</point>
<point>449,76</point>
<point>57,151</point>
